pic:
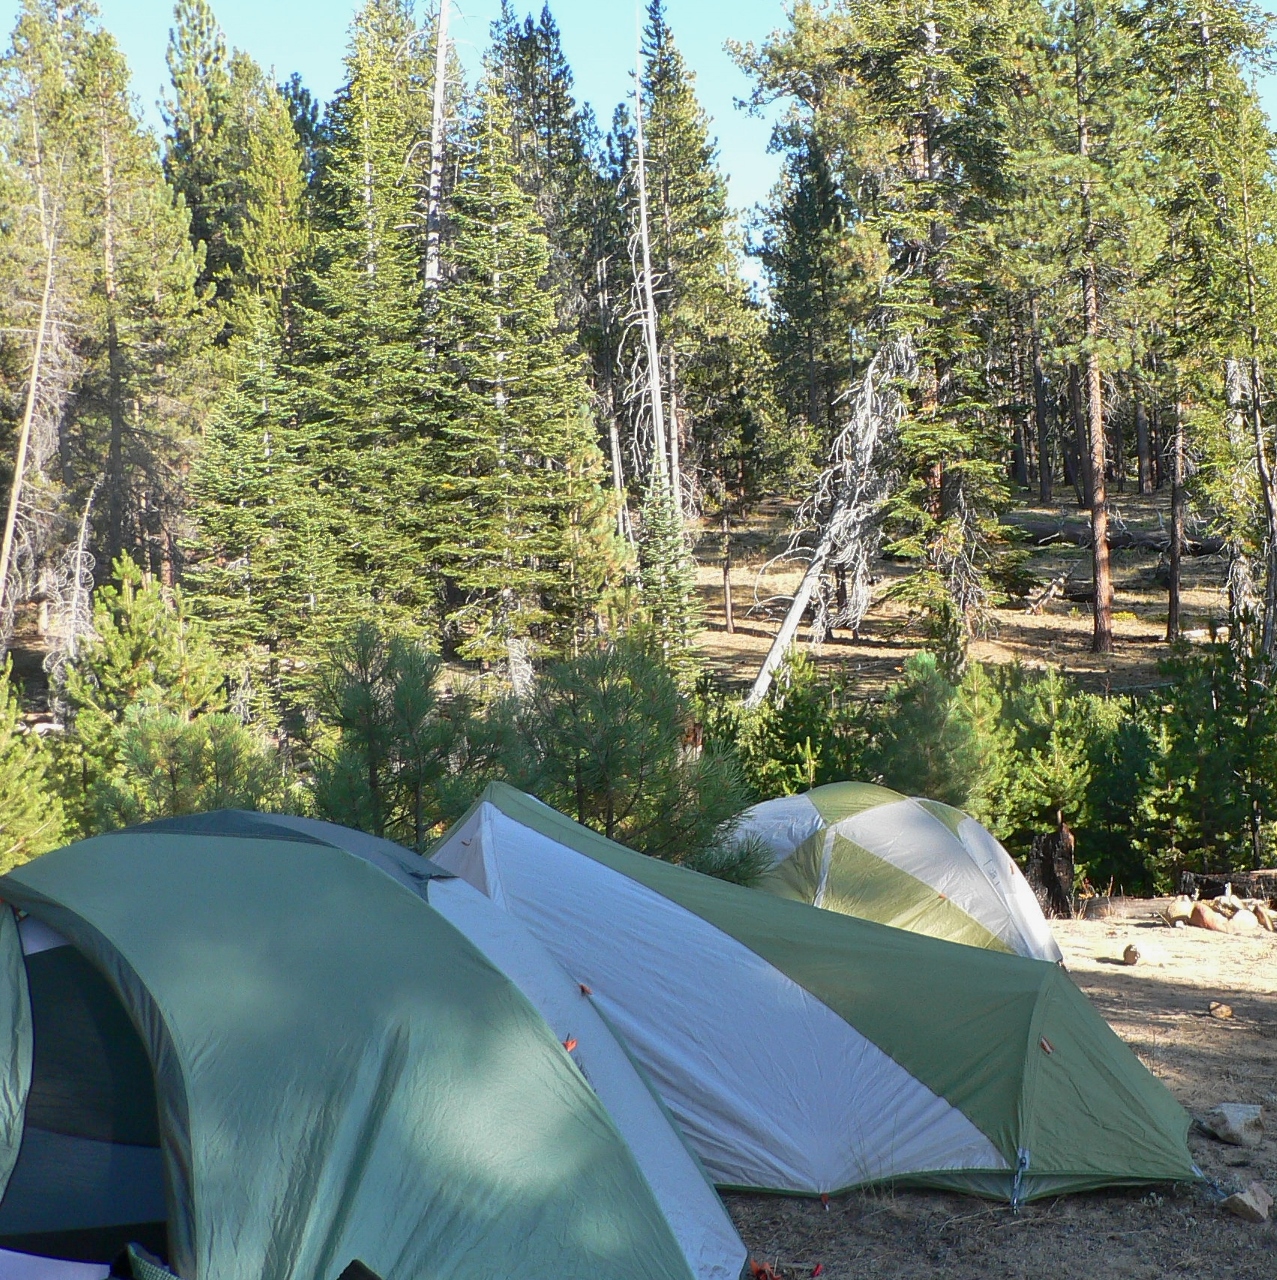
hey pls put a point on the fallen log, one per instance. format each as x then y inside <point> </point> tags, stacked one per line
<point>1246,884</point>
<point>1043,531</point>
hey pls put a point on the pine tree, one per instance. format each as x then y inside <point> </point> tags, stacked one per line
<point>233,152</point>
<point>258,568</point>
<point>515,440</point>
<point>808,251</point>
<point>552,140</point>
<point>33,820</point>
<point>910,98</point>
<point>1217,267</point>
<point>146,333</point>
<point>361,363</point>
<point>670,603</point>
<point>148,658</point>
<point>133,333</point>
<point>39,158</point>
<point>711,336</point>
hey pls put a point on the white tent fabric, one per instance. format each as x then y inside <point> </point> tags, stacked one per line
<point>772,1088</point>
<point>970,868</point>
<point>940,846</point>
<point>696,1215</point>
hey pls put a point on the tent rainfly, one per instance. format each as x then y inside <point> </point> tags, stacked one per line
<point>912,863</point>
<point>229,1040</point>
<point>809,1052</point>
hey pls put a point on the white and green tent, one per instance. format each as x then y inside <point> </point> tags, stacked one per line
<point>912,863</point>
<point>806,1051</point>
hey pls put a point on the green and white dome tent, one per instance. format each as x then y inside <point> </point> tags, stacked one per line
<point>237,1040</point>
<point>912,863</point>
<point>805,1051</point>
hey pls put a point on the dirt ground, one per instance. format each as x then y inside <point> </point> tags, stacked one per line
<point>1058,636</point>
<point>1160,1007</point>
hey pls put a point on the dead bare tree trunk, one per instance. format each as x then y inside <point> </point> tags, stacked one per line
<point>660,464</point>
<point>28,413</point>
<point>434,192</point>
<point>852,488</point>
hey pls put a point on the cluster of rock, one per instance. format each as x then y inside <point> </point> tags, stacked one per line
<point>1226,913</point>
<point>1242,1125</point>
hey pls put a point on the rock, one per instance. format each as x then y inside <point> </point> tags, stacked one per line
<point>1252,1204</point>
<point>1266,916</point>
<point>1131,955</point>
<point>1237,1122</point>
<point>1220,1010</point>
<point>1244,921</point>
<point>1205,917</point>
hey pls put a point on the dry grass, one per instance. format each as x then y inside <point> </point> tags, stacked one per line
<point>1060,636</point>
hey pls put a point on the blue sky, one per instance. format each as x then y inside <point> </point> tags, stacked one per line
<point>598,36</point>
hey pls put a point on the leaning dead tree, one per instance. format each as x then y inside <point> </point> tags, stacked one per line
<point>438,122</point>
<point>846,504</point>
<point>647,295</point>
<point>68,592</point>
<point>24,431</point>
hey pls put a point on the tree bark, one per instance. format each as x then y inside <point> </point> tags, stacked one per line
<point>1143,445</point>
<point>1178,506</point>
<point>727,574</point>
<point>1081,447</point>
<point>1102,637</point>
<point>1041,419</point>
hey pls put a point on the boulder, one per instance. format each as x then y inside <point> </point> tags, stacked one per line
<point>1244,921</point>
<point>1252,1204</point>
<point>1205,917</point>
<point>1236,1122</point>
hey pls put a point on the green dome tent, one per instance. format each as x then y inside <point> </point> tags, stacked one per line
<point>916,864</point>
<point>260,1053</point>
<point>806,1051</point>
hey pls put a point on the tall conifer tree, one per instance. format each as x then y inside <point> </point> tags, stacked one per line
<point>519,528</point>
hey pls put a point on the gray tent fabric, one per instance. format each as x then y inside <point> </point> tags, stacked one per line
<point>327,1090</point>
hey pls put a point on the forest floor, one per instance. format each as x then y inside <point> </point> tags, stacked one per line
<point>1160,1007</point>
<point>1060,635</point>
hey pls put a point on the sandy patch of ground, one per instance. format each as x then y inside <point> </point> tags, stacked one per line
<point>1160,1008</point>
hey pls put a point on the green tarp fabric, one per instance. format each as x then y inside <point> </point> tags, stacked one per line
<point>1009,1041</point>
<point>340,1074</point>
